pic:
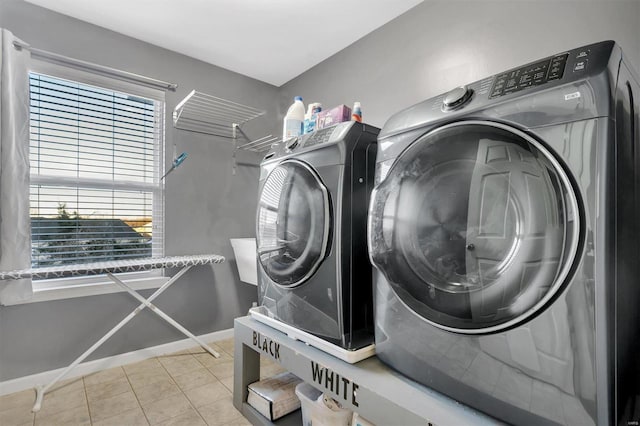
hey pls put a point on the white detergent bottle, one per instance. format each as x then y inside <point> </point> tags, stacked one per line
<point>292,126</point>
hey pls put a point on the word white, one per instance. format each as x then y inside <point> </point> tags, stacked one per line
<point>335,383</point>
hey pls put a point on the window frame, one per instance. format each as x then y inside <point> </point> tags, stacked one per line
<point>63,288</point>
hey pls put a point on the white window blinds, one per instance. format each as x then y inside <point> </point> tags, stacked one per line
<point>95,159</point>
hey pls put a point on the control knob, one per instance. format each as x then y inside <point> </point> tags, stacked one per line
<point>456,98</point>
<point>290,144</point>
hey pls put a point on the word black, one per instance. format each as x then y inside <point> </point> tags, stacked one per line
<point>266,345</point>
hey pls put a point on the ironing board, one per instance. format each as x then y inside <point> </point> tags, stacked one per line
<point>110,268</point>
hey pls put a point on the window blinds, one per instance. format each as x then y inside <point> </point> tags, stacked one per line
<point>95,191</point>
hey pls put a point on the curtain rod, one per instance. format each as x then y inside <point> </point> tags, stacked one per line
<point>95,68</point>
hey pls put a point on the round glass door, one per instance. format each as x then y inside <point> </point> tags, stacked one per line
<point>293,223</point>
<point>475,227</point>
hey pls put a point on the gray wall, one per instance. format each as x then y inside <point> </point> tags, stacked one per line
<point>205,206</point>
<point>439,45</point>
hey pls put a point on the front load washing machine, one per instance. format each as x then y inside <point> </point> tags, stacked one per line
<point>313,268</point>
<point>504,230</point>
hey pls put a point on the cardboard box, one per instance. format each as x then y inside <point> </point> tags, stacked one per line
<point>276,396</point>
<point>333,116</point>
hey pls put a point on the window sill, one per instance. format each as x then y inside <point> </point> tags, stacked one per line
<point>67,288</point>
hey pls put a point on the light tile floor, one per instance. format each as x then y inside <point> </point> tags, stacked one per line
<point>187,388</point>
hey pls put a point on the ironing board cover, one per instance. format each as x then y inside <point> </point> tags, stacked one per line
<point>116,266</point>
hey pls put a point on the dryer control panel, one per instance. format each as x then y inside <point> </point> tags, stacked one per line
<point>529,75</point>
<point>489,97</point>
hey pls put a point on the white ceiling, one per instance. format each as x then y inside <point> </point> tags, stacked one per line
<point>269,40</point>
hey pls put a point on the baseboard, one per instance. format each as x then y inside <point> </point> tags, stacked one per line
<point>27,382</point>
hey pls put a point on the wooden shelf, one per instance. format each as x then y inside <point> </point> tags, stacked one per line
<point>368,387</point>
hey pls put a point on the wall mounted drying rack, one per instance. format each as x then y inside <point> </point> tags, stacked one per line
<point>207,114</point>
<point>258,145</point>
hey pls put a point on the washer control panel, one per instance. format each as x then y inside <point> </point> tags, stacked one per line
<point>530,75</point>
<point>318,137</point>
<point>325,136</point>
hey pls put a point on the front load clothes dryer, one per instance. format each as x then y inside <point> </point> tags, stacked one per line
<point>504,230</point>
<point>313,268</point>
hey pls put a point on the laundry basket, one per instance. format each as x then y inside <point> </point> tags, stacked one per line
<point>244,250</point>
<point>316,413</point>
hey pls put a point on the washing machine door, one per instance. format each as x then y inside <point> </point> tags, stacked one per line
<point>293,223</point>
<point>475,226</point>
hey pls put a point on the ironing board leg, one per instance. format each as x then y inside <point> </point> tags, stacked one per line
<point>164,316</point>
<point>41,390</point>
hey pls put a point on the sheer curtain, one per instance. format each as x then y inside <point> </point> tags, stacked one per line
<point>15,226</point>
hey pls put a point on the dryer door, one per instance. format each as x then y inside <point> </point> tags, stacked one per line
<point>293,223</point>
<point>475,226</point>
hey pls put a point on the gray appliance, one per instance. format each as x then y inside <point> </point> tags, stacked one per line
<point>504,228</point>
<point>313,267</point>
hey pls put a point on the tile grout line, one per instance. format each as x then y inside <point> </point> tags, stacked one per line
<point>103,384</point>
<point>183,393</point>
<point>180,389</point>
<point>107,382</point>
<point>206,369</point>
<point>217,379</point>
<point>86,397</point>
<point>135,395</point>
<point>86,400</point>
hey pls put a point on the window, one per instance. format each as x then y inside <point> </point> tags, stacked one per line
<point>96,153</point>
